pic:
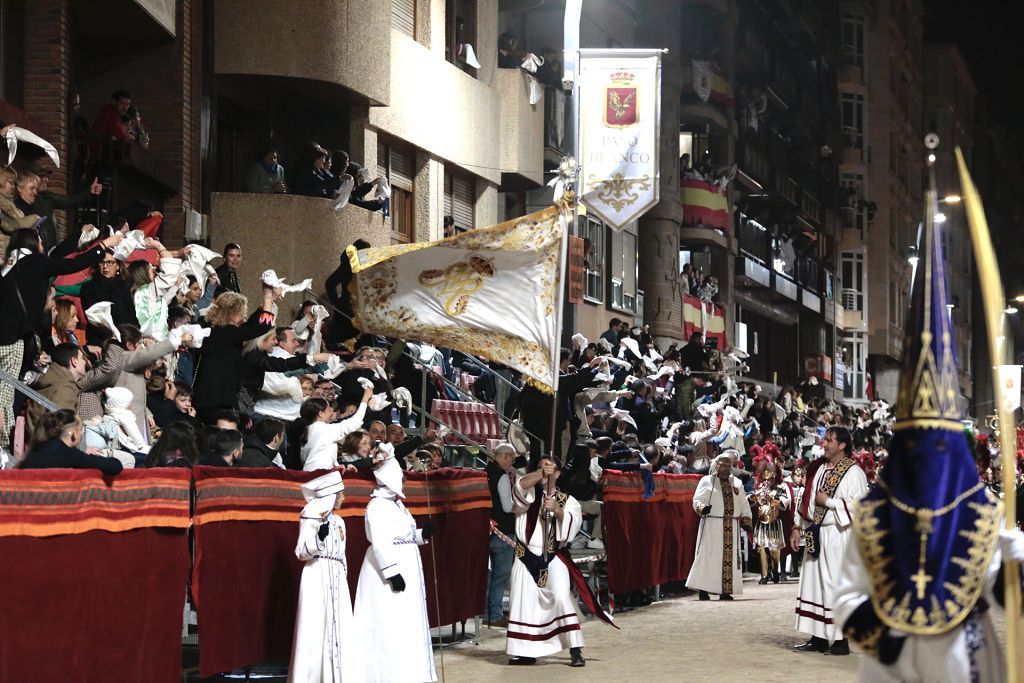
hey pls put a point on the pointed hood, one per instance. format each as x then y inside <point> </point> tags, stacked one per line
<point>927,530</point>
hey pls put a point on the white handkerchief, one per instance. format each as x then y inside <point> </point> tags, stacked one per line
<point>580,340</point>
<point>403,398</point>
<point>197,263</point>
<point>624,416</point>
<point>379,402</point>
<point>343,194</point>
<point>16,133</point>
<point>198,332</point>
<point>365,383</point>
<point>99,315</point>
<point>383,188</point>
<point>132,241</point>
<point>88,236</point>
<point>270,279</point>
<point>334,368</point>
<point>468,56</point>
<point>531,62</point>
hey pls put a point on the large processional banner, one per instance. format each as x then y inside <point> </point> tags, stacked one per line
<point>620,111</point>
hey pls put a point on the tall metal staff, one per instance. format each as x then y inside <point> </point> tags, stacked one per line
<point>994,304</point>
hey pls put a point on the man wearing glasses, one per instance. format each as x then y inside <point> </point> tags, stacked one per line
<point>824,519</point>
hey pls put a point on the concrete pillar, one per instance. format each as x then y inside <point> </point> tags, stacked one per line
<point>658,238</point>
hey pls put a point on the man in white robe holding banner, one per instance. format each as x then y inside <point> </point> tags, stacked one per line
<point>724,510</point>
<point>542,613</point>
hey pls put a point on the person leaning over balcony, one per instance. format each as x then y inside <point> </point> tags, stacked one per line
<point>343,167</point>
<point>314,179</point>
<point>509,54</point>
<point>113,119</point>
<point>266,176</point>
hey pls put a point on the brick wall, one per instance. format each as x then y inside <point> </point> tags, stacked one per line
<point>47,74</point>
<point>164,81</point>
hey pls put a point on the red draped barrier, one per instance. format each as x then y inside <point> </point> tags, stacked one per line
<point>246,577</point>
<point>94,575</point>
<point>651,541</point>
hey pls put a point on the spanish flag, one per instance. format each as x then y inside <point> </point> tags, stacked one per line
<point>492,292</point>
<point>703,204</point>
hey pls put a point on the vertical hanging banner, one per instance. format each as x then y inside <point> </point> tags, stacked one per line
<point>620,113</point>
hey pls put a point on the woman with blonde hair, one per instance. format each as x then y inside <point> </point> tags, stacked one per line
<point>220,360</point>
<point>64,328</point>
<point>11,217</point>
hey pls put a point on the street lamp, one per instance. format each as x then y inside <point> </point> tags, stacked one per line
<point>940,217</point>
<point>1010,310</point>
<point>912,257</point>
<point>1019,298</point>
<point>952,199</point>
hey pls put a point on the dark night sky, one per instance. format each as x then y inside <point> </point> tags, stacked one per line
<point>989,38</point>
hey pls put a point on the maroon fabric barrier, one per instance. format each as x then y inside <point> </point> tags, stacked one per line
<point>649,542</point>
<point>94,575</point>
<point>246,576</point>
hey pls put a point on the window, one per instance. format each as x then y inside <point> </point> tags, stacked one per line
<point>622,271</point>
<point>398,165</point>
<point>853,39</point>
<point>853,280</point>
<point>854,205</point>
<point>403,17</point>
<point>460,30</point>
<point>592,232</point>
<point>853,119</point>
<point>12,62</point>
<point>459,198</point>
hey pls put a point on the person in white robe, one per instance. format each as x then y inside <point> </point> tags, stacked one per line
<point>542,617</point>
<point>320,442</point>
<point>391,598</point>
<point>327,646</point>
<point>723,507</point>
<point>834,485</point>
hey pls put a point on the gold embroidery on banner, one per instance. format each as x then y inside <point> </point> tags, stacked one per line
<point>457,283</point>
<point>727,545</point>
<point>617,191</point>
<point>896,611</point>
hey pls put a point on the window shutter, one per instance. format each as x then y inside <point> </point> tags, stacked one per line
<point>462,202</point>
<point>447,193</point>
<point>382,160</point>
<point>629,263</point>
<point>402,172</point>
<point>403,16</point>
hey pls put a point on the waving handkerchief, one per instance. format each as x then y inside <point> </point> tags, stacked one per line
<point>343,194</point>
<point>403,399</point>
<point>16,133</point>
<point>197,263</point>
<point>580,340</point>
<point>99,315</point>
<point>135,239</point>
<point>334,368</point>
<point>378,402</point>
<point>632,345</point>
<point>270,279</point>
<point>315,337</point>
<point>624,416</point>
<point>365,383</point>
<point>89,233</point>
<point>198,332</point>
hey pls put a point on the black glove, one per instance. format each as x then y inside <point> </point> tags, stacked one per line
<point>706,511</point>
<point>397,583</point>
<point>325,529</point>
<point>428,529</point>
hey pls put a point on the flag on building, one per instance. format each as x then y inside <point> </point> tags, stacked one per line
<point>702,316</point>
<point>492,292</point>
<point>704,204</point>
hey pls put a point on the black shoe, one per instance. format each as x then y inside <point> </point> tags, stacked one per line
<point>725,596</point>
<point>522,661</point>
<point>785,576</point>
<point>815,644</point>
<point>763,581</point>
<point>840,647</point>
<point>577,656</point>
<point>795,574</point>
<point>703,595</point>
<point>775,577</point>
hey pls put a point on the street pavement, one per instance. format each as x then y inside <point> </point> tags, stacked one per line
<point>679,639</point>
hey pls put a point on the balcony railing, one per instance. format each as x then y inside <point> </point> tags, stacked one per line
<point>754,240</point>
<point>807,273</point>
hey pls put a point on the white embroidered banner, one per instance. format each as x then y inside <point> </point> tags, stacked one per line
<point>620,110</point>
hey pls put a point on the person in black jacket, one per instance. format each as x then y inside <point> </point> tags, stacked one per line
<point>227,272</point>
<point>108,285</point>
<point>220,361</point>
<point>261,444</point>
<point>341,328</point>
<point>225,449</point>
<point>25,301</point>
<point>55,444</point>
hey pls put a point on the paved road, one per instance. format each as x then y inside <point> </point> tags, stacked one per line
<point>679,639</point>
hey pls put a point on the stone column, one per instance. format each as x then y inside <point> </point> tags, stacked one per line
<point>658,239</point>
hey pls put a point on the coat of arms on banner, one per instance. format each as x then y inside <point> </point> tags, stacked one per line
<point>620,101</point>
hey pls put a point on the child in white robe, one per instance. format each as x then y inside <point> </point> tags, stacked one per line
<point>327,647</point>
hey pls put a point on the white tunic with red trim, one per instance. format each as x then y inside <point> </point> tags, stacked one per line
<point>542,621</point>
<point>819,577</point>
